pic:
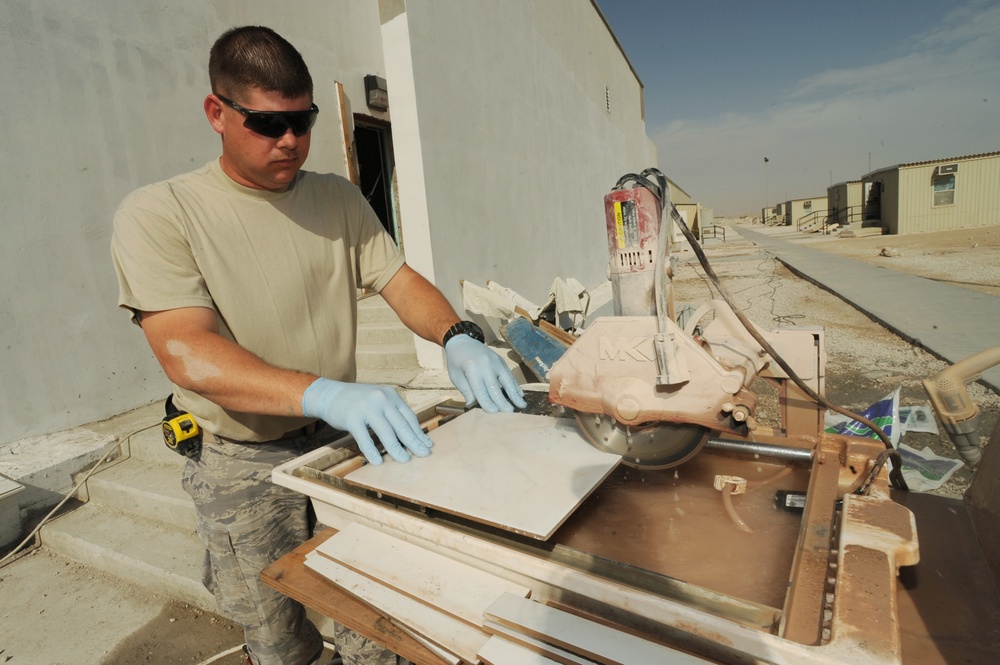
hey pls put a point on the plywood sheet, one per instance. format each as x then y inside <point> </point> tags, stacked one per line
<point>518,472</point>
<point>448,632</point>
<point>448,585</point>
<point>593,640</point>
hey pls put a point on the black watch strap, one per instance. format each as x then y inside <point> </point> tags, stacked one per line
<point>464,328</point>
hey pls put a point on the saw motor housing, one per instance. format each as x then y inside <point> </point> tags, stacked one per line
<point>633,224</point>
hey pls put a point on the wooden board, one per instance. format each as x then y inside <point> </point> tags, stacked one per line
<point>518,472</point>
<point>499,651</point>
<point>590,639</point>
<point>437,580</point>
<point>291,577</point>
<point>448,632</point>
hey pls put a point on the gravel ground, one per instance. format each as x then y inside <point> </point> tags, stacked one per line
<point>865,361</point>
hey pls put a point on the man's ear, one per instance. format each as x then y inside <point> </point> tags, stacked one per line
<point>213,111</point>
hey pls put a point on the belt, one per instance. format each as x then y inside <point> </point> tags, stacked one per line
<point>317,427</point>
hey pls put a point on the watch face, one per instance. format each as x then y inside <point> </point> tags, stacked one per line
<point>472,330</point>
<point>465,328</point>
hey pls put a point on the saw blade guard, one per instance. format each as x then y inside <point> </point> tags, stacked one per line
<point>612,369</point>
<point>654,446</point>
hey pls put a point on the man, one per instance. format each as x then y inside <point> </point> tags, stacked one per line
<point>243,275</point>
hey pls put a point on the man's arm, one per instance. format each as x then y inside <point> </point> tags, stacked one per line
<point>475,369</point>
<point>419,304</point>
<point>196,357</point>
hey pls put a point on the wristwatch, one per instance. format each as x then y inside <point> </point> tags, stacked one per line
<point>464,328</point>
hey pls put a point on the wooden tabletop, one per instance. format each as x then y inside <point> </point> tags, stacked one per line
<point>292,577</point>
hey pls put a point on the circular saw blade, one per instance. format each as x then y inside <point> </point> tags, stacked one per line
<point>652,446</point>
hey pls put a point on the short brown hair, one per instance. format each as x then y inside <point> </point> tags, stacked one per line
<point>257,57</point>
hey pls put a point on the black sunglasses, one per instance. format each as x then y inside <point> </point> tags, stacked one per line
<point>274,124</point>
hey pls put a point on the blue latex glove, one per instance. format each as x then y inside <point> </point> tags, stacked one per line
<point>478,373</point>
<point>355,407</point>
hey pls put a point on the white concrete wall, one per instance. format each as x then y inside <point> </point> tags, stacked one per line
<point>504,144</point>
<point>99,97</point>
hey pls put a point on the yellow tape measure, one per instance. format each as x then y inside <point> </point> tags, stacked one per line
<point>182,434</point>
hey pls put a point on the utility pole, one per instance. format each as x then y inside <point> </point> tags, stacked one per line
<point>766,160</point>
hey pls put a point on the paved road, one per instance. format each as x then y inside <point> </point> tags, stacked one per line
<point>949,321</point>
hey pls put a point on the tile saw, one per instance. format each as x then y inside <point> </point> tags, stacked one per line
<point>663,548</point>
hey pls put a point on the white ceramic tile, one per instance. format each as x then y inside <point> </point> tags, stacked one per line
<point>537,646</point>
<point>519,472</point>
<point>499,651</point>
<point>450,633</point>
<point>448,585</point>
<point>578,635</point>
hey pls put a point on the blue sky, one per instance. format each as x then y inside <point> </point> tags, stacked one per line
<point>814,87</point>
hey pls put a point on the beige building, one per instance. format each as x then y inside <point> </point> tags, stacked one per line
<point>798,211</point>
<point>845,203</point>
<point>773,215</point>
<point>934,195</point>
<point>694,215</point>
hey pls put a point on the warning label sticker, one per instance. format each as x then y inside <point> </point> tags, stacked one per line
<point>626,224</point>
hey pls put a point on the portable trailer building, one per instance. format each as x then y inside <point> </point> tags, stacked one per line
<point>798,209</point>
<point>934,195</point>
<point>845,203</point>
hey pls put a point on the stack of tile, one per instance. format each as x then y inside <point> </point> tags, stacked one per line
<point>437,600</point>
<point>466,615</point>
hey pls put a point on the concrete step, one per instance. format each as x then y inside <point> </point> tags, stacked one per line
<point>383,341</point>
<point>149,490</point>
<point>382,333</point>
<point>374,309</point>
<point>387,356</point>
<point>163,558</point>
<point>860,232</point>
<point>389,377</point>
<point>148,446</point>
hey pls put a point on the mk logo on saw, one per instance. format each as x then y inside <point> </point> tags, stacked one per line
<point>627,348</point>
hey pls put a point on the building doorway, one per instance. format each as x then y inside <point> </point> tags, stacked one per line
<point>873,200</point>
<point>373,147</point>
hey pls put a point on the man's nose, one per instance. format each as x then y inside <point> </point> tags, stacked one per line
<point>288,139</point>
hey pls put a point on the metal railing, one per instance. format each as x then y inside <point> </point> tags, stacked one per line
<point>713,232</point>
<point>841,217</point>
<point>811,219</point>
<point>848,215</point>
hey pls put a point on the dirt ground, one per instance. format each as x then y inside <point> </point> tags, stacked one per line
<point>56,611</point>
<point>180,635</point>
<point>969,258</point>
<point>865,360</point>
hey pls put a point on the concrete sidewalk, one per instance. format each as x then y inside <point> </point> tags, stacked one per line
<point>950,322</point>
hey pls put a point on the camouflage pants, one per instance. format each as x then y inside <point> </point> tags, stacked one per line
<point>246,522</point>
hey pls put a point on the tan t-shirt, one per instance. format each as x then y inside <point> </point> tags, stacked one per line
<point>280,269</point>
